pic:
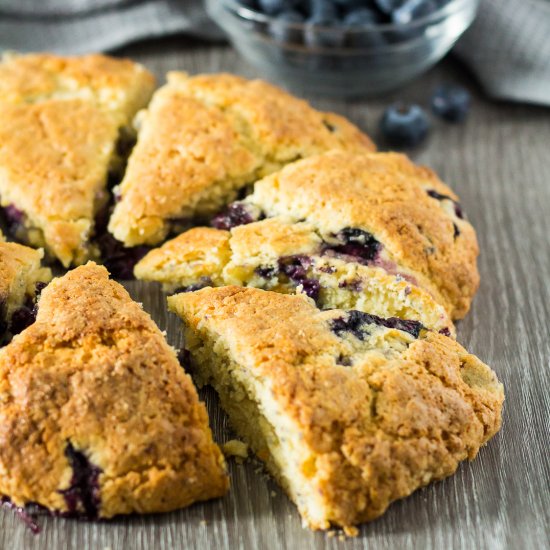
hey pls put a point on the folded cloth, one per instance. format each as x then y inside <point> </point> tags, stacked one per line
<point>507,47</point>
<point>83,26</point>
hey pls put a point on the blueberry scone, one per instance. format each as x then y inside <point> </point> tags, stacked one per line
<point>205,138</point>
<point>22,278</point>
<point>376,209</point>
<point>97,417</point>
<point>64,122</point>
<point>276,254</point>
<point>359,231</point>
<point>349,411</point>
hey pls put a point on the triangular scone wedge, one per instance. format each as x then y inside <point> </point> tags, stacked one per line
<point>97,417</point>
<point>22,278</point>
<point>60,121</point>
<point>204,138</point>
<point>377,209</point>
<point>348,414</point>
<point>275,254</point>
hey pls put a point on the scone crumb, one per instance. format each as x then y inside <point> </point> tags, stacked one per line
<point>235,448</point>
<point>351,531</point>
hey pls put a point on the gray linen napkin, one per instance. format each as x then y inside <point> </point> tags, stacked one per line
<point>507,47</point>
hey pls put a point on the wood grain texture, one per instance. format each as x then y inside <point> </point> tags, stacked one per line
<point>499,163</point>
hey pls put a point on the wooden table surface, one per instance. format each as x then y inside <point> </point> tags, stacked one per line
<point>499,164</point>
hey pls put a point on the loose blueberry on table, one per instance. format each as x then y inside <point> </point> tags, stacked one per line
<point>451,103</point>
<point>404,125</point>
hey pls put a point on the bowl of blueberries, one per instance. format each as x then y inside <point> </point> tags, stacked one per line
<point>343,48</point>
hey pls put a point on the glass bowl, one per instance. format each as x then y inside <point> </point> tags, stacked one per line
<point>342,61</point>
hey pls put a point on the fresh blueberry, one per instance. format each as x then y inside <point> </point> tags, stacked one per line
<point>413,9</point>
<point>14,219</point>
<point>22,318</point>
<point>363,38</point>
<point>118,259</point>
<point>451,102</point>
<point>404,125</point>
<point>273,7</point>
<point>389,6</point>
<point>284,28</point>
<point>323,27</point>
<point>252,4</point>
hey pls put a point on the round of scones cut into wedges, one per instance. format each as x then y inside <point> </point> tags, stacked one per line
<point>205,138</point>
<point>64,122</point>
<point>278,255</point>
<point>342,226</point>
<point>97,416</point>
<point>349,411</point>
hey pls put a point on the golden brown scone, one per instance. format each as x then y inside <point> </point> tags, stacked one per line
<point>205,137</point>
<point>349,411</point>
<point>276,254</point>
<point>21,279</point>
<point>60,120</point>
<point>97,417</point>
<point>378,209</point>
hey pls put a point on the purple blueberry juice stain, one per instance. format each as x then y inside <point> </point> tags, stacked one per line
<point>352,284</point>
<point>356,323</point>
<point>27,517</point>
<point>295,268</point>
<point>355,245</point>
<point>440,197</point>
<point>237,213</point>
<point>83,495</point>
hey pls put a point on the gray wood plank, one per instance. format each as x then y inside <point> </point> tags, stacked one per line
<point>499,163</point>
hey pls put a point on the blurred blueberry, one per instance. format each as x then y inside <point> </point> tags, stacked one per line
<point>362,16</point>
<point>404,125</point>
<point>389,6</point>
<point>451,102</point>
<point>281,31</point>
<point>252,4</point>
<point>273,7</point>
<point>413,9</point>
<point>323,27</point>
<point>348,5</point>
<point>358,37</point>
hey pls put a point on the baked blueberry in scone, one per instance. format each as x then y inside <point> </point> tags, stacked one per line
<point>349,411</point>
<point>205,138</point>
<point>361,231</point>
<point>97,416</point>
<point>22,278</point>
<point>378,209</point>
<point>275,254</point>
<point>64,123</point>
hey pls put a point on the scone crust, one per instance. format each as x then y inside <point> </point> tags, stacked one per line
<point>60,119</point>
<point>375,431</point>
<point>204,137</point>
<point>386,195</point>
<point>95,371</point>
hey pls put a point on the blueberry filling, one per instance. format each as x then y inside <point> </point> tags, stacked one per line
<point>266,272</point>
<point>23,513</point>
<point>201,283</point>
<point>445,331</point>
<point>22,318</point>
<point>295,268</point>
<point>235,214</point>
<point>456,230</point>
<point>357,244</point>
<point>440,197</point>
<point>82,496</point>
<point>356,323</point>
<point>14,219</point>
